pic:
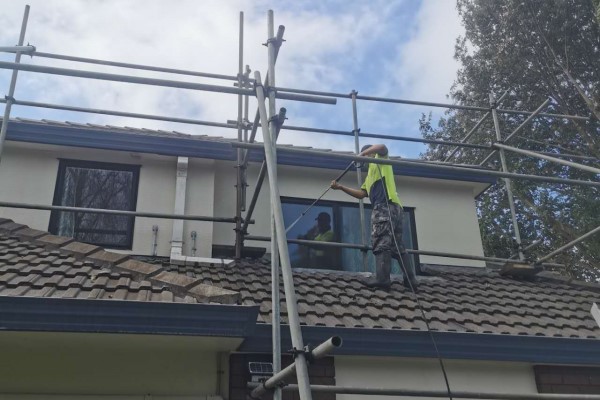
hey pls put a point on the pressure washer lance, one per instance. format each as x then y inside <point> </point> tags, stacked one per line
<point>320,197</point>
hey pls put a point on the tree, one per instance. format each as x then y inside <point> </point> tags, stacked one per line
<point>535,49</point>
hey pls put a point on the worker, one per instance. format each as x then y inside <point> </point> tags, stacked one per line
<point>319,256</point>
<point>380,187</point>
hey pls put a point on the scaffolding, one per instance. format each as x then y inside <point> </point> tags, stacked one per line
<point>271,122</point>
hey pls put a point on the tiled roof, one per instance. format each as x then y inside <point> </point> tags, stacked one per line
<point>455,299</point>
<point>36,264</point>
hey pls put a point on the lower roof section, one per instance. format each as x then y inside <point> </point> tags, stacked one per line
<point>451,345</point>
<point>116,316</point>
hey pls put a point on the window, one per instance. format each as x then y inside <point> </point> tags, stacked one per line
<point>344,223</point>
<point>95,185</point>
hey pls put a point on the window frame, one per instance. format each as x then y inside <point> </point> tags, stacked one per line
<point>337,219</point>
<point>65,163</point>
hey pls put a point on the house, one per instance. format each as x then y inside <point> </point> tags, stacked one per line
<point>99,311</point>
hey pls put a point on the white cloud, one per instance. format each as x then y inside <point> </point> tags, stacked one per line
<point>326,45</point>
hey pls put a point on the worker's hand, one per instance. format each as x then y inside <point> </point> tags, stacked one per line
<point>335,186</point>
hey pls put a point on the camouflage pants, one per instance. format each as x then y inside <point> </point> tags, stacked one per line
<point>381,231</point>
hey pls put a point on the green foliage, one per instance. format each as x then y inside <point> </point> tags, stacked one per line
<point>535,49</point>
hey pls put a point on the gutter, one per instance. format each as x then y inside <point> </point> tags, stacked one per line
<point>452,345</point>
<point>120,316</point>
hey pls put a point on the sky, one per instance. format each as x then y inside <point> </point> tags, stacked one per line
<point>390,48</point>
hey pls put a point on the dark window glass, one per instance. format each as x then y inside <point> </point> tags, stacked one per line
<point>345,227</point>
<point>95,185</point>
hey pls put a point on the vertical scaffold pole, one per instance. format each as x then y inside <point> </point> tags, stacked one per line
<point>507,181</point>
<point>239,187</point>
<point>13,83</point>
<point>276,319</point>
<point>284,256</point>
<point>361,205</point>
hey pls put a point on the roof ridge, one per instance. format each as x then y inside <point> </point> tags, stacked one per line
<point>178,284</point>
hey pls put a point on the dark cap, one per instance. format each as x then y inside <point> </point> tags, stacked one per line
<point>366,146</point>
<point>323,216</point>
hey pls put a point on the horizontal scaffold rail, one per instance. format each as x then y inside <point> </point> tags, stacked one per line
<point>156,82</point>
<point>118,212</point>
<point>456,394</point>
<point>404,163</point>
<point>315,243</point>
<point>426,103</point>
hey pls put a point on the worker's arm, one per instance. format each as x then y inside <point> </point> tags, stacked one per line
<point>380,149</point>
<point>356,193</point>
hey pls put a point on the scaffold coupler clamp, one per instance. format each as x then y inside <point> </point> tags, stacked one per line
<point>9,98</point>
<point>308,355</point>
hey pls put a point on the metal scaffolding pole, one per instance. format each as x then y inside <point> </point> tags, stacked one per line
<point>440,394</point>
<point>273,133</point>
<point>239,187</point>
<point>132,66</point>
<point>518,129</point>
<point>427,103</point>
<point>286,267</point>
<point>116,212</point>
<point>278,41</point>
<point>315,243</point>
<point>507,182</point>
<point>381,136</point>
<point>261,174</point>
<point>13,83</point>
<point>28,50</point>
<point>361,205</point>
<point>472,171</point>
<point>548,158</point>
<point>119,113</point>
<point>569,245</point>
<point>156,82</point>
<point>278,379</point>
<point>474,129</point>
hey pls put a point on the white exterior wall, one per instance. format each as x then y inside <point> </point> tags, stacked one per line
<point>28,174</point>
<point>445,212</point>
<point>425,374</point>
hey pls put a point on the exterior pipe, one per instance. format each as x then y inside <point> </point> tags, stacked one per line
<point>507,182</point>
<point>568,245</point>
<point>179,207</point>
<point>361,205</point>
<point>117,212</point>
<point>519,128</point>
<point>278,379</point>
<point>13,83</point>
<point>474,129</point>
<point>262,174</point>
<point>286,267</point>
<point>548,158</point>
<point>314,243</point>
<point>403,163</point>
<point>441,394</point>
<point>155,82</point>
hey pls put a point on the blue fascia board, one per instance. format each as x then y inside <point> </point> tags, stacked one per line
<point>184,147</point>
<point>452,345</point>
<point>120,316</point>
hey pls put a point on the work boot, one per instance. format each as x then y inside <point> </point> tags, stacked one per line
<point>409,274</point>
<point>383,266</point>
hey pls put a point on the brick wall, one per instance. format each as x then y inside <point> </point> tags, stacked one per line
<point>321,372</point>
<point>568,380</point>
